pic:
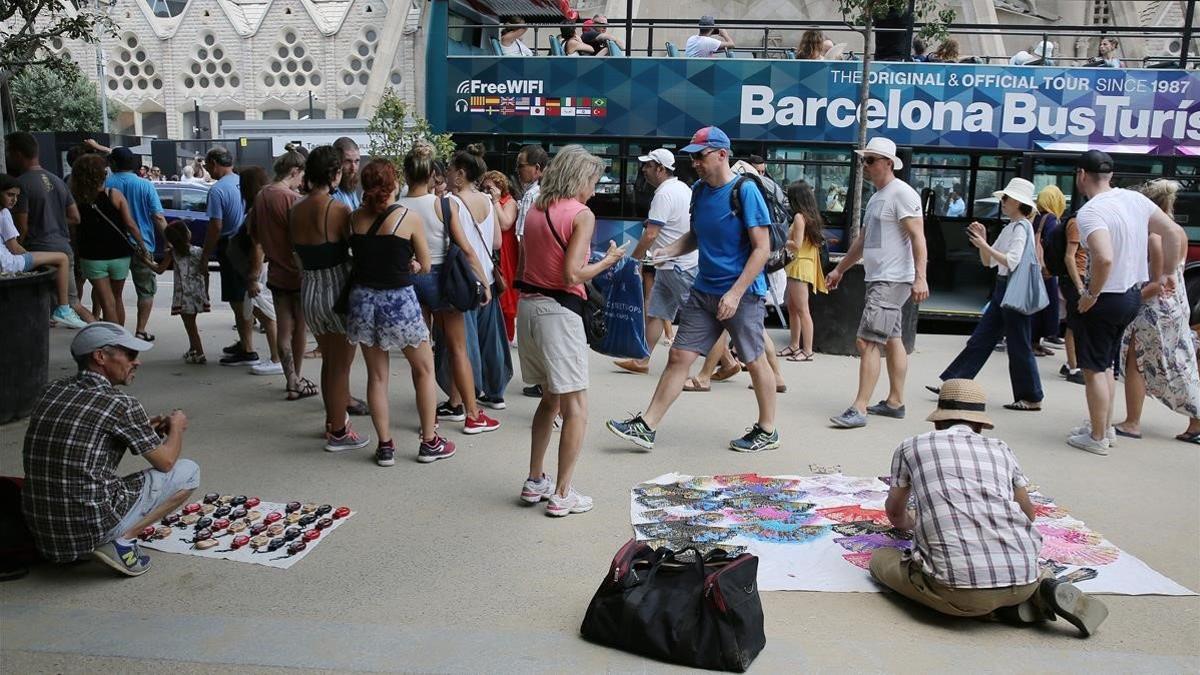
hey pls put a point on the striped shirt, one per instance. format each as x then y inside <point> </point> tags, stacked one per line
<point>969,532</point>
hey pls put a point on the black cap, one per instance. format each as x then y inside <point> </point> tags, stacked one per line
<point>1095,161</point>
<point>123,159</point>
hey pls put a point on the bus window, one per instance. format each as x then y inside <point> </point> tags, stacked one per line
<point>826,170</point>
<point>942,173</point>
<point>993,174</point>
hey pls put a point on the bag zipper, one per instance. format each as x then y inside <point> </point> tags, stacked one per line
<point>622,557</point>
<point>713,591</point>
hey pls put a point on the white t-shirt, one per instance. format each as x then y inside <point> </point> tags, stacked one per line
<point>1011,243</point>
<point>1125,214</point>
<point>8,230</point>
<point>525,205</point>
<point>671,209</point>
<point>517,48</point>
<point>480,235</point>
<point>887,249</point>
<point>701,46</point>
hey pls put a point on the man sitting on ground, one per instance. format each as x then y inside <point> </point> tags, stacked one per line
<point>975,549</point>
<point>74,501</point>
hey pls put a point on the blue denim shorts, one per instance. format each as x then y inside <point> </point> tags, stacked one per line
<point>429,290</point>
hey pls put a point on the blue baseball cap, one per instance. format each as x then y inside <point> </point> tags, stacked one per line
<point>708,137</point>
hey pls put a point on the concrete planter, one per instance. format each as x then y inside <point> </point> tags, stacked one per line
<point>24,341</point>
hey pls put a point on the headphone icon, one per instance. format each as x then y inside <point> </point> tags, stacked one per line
<point>460,105</point>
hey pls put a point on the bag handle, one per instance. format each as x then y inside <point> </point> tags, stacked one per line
<point>446,222</point>
<point>665,556</point>
<point>139,251</point>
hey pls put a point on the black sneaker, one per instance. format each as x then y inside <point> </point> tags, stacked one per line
<point>1076,377</point>
<point>235,348</point>
<point>534,391</point>
<point>1064,371</point>
<point>451,413</point>
<point>240,359</point>
<point>486,401</point>
<point>755,440</point>
<point>635,430</point>
<point>385,455</point>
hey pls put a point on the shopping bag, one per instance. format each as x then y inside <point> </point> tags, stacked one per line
<point>624,313</point>
<point>1026,291</point>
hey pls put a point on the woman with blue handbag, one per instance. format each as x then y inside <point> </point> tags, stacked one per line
<point>1019,293</point>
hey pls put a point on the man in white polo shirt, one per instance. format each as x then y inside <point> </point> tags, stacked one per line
<point>669,219</point>
<point>1114,226</point>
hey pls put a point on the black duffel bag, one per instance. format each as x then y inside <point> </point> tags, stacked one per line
<point>700,611</point>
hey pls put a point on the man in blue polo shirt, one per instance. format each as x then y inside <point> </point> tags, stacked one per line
<point>226,210</point>
<point>148,214</point>
<point>728,294</point>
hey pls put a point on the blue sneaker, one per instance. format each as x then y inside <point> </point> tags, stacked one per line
<point>635,430</point>
<point>851,419</point>
<point>884,410</point>
<point>127,560</point>
<point>755,440</point>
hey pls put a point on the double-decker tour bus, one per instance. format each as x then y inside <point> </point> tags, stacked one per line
<point>965,128</point>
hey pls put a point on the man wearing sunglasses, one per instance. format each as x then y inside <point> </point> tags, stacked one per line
<point>74,501</point>
<point>892,248</point>
<point>728,294</point>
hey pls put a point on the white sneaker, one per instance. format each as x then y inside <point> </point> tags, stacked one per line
<point>572,503</point>
<point>64,315</point>
<point>267,368</point>
<point>535,491</point>
<point>1085,429</point>
<point>1086,442</point>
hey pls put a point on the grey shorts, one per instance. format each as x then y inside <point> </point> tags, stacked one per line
<point>156,490</point>
<point>669,292</point>
<point>552,345</point>
<point>699,327</point>
<point>882,316</point>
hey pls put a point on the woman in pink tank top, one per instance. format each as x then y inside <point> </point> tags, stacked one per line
<point>550,338</point>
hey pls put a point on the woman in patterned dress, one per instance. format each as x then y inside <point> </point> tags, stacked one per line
<point>1158,356</point>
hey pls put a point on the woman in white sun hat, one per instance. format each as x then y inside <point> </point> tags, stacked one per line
<point>1010,248</point>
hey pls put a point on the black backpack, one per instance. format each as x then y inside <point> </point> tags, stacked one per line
<point>1054,248</point>
<point>781,219</point>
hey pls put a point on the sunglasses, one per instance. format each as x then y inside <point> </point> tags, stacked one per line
<point>869,159</point>
<point>699,156</point>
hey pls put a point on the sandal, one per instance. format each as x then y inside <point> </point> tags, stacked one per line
<point>692,384</point>
<point>800,357</point>
<point>788,351</point>
<point>1127,434</point>
<point>143,335</point>
<point>1042,351</point>
<point>358,407</point>
<point>314,353</point>
<point>1025,406</point>
<point>304,389</point>
<point>196,358</point>
<point>779,388</point>
<point>1189,437</point>
<point>723,374</point>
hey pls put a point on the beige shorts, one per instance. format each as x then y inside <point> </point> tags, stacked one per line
<point>552,345</point>
<point>883,315</point>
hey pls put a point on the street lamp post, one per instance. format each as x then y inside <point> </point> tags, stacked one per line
<point>101,77</point>
<point>310,104</point>
<point>196,128</point>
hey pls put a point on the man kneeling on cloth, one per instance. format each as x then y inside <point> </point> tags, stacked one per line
<point>975,549</point>
<point>74,501</point>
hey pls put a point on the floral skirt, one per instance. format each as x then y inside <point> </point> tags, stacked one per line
<point>1166,355</point>
<point>385,318</point>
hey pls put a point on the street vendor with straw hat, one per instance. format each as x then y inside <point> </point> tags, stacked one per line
<point>975,549</point>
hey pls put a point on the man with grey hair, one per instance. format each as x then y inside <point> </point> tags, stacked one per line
<point>74,501</point>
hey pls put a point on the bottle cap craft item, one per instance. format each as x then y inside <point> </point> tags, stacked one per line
<point>147,533</point>
<point>259,541</point>
<point>292,533</point>
<point>237,526</point>
<point>305,521</point>
<point>252,502</point>
<point>253,515</point>
<point>239,500</point>
<point>276,544</point>
<point>308,508</point>
<point>222,511</point>
<point>323,509</point>
<point>341,512</point>
<point>239,541</point>
<point>191,508</point>
<point>292,506</point>
<point>258,528</point>
<point>170,519</point>
<point>203,522</point>
<point>220,524</point>
<point>239,512</point>
<point>189,519</point>
<point>324,523</point>
<point>211,497</point>
<point>207,509</point>
<point>293,517</point>
<point>273,516</point>
<point>275,529</point>
<point>206,544</point>
<point>309,535</point>
<point>225,499</point>
<point>162,533</point>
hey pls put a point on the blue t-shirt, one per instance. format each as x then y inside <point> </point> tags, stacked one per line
<point>351,199</point>
<point>143,202</point>
<point>225,202</point>
<point>722,238</point>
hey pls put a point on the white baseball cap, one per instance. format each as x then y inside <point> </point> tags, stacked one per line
<point>99,334</point>
<point>662,156</point>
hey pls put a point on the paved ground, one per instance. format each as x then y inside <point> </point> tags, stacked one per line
<point>442,571</point>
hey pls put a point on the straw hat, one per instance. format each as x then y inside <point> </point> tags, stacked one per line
<point>1020,190</point>
<point>883,147</point>
<point>961,401</point>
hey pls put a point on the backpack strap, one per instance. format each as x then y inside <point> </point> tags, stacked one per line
<point>696,188</point>
<point>735,197</point>
<point>381,218</point>
<point>446,221</point>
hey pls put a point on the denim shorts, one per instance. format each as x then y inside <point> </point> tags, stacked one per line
<point>669,292</point>
<point>18,263</point>
<point>156,490</point>
<point>429,290</point>
<point>699,327</point>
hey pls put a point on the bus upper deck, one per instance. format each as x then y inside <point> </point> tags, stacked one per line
<point>964,130</point>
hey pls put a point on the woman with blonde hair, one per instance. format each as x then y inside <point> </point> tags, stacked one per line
<point>1051,203</point>
<point>1157,354</point>
<point>108,236</point>
<point>551,340</point>
<point>812,46</point>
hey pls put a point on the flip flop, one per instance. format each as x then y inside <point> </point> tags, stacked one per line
<point>692,384</point>
<point>1189,437</point>
<point>800,357</point>
<point>358,407</point>
<point>779,388</point>
<point>788,351</point>
<point>1024,406</point>
<point>143,335</point>
<point>1126,434</point>
<point>723,374</point>
<point>304,389</point>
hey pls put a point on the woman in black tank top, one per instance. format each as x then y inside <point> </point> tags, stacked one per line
<point>108,237</point>
<point>388,243</point>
